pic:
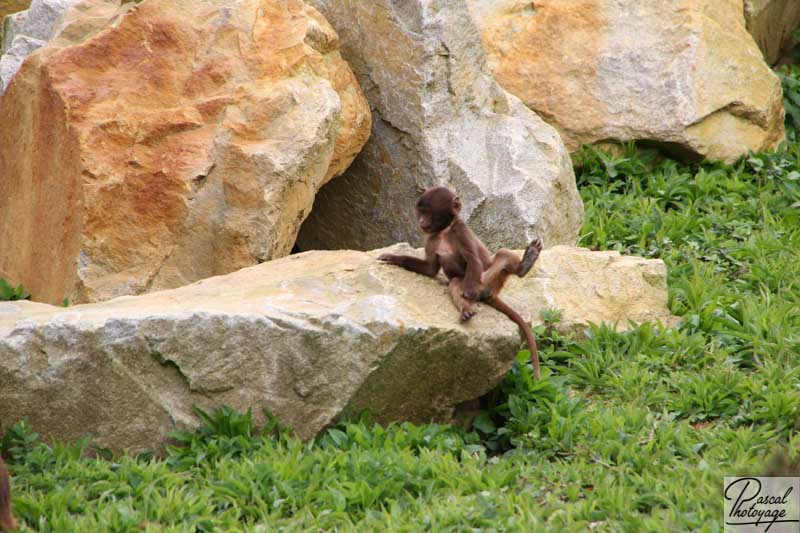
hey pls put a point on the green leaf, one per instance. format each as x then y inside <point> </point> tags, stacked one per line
<point>484,423</point>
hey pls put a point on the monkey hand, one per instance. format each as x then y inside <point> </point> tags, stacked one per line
<point>470,293</point>
<point>389,258</point>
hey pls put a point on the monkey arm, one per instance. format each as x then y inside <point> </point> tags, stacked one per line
<point>427,267</point>
<point>472,277</point>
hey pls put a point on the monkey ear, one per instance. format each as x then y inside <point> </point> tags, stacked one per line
<point>456,205</point>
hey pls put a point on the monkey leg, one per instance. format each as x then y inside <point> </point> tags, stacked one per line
<point>464,306</point>
<point>504,263</point>
<point>524,327</point>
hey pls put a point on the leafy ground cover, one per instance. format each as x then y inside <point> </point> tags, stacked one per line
<point>9,293</point>
<point>626,432</point>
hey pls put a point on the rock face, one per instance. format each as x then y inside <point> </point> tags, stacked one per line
<point>181,140</point>
<point>308,337</point>
<point>28,31</point>
<point>439,119</point>
<point>683,74</point>
<point>771,23</point>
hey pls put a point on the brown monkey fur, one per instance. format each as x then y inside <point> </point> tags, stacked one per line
<point>7,522</point>
<point>475,274</point>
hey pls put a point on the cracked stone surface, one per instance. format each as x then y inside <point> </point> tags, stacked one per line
<point>439,118</point>
<point>309,337</point>
<point>683,74</point>
<point>147,147</point>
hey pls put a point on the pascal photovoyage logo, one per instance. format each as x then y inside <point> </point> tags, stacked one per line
<point>760,504</point>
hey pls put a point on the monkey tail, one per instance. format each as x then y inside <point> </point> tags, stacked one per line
<point>506,309</point>
<point>7,522</point>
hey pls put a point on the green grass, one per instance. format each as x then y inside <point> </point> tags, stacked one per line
<point>9,293</point>
<point>626,432</point>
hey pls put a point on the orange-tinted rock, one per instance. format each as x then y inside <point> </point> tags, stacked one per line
<point>185,140</point>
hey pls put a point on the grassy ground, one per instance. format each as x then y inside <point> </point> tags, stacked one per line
<point>626,432</point>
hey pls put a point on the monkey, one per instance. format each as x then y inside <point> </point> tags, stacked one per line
<point>473,273</point>
<point>7,522</point>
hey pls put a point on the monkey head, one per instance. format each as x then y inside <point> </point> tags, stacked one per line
<point>437,208</point>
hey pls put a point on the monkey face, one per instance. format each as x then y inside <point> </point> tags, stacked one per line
<point>436,209</point>
<point>429,223</point>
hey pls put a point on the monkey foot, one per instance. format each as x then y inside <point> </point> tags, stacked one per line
<point>467,313</point>
<point>530,256</point>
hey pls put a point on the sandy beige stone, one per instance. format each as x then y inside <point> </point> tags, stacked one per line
<point>309,337</point>
<point>684,74</point>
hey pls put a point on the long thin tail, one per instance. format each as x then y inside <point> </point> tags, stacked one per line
<point>7,522</point>
<point>506,309</point>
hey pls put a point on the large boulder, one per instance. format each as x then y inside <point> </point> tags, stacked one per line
<point>177,141</point>
<point>684,75</point>
<point>771,22</point>
<point>309,337</point>
<point>440,119</point>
